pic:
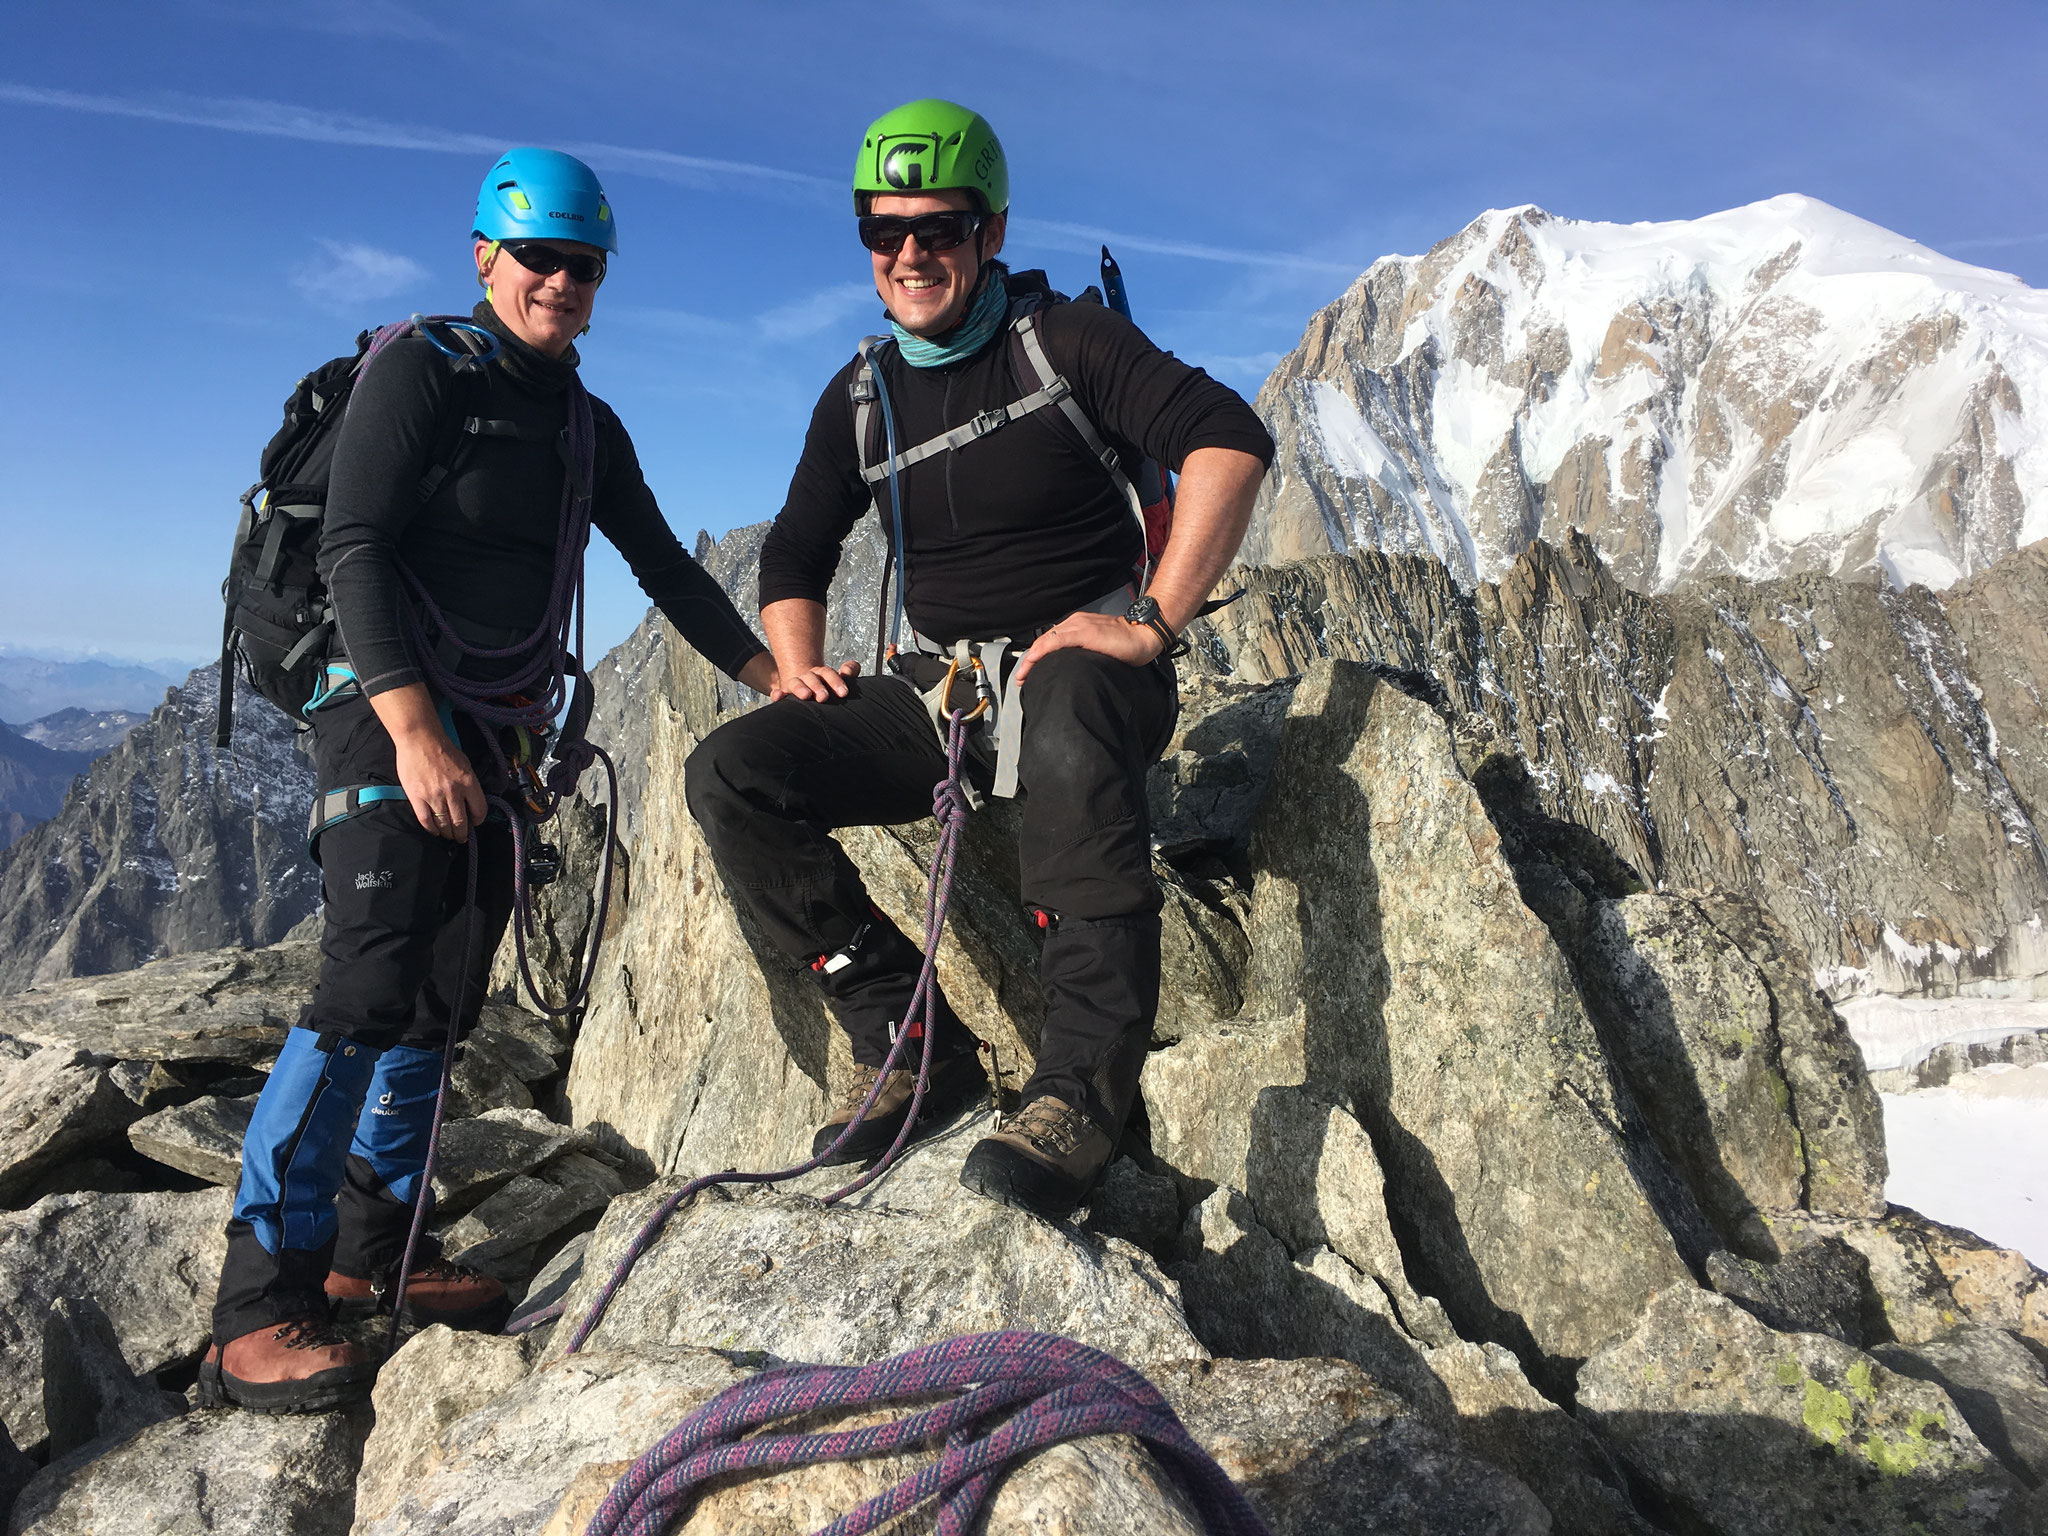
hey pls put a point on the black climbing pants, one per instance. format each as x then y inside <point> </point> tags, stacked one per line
<point>769,788</point>
<point>395,922</point>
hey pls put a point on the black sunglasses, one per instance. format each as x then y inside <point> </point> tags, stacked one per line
<point>546,261</point>
<point>884,233</point>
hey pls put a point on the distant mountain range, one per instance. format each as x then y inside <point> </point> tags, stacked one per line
<point>91,731</point>
<point>39,760</point>
<point>1777,390</point>
<point>33,686</point>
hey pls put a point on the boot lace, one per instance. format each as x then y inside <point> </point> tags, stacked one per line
<point>858,1087</point>
<point>310,1333</point>
<point>445,1269</point>
<point>1050,1126</point>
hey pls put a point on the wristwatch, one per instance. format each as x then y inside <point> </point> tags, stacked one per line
<point>1145,611</point>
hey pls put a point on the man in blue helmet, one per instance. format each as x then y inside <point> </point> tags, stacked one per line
<point>990,434</point>
<point>332,1162</point>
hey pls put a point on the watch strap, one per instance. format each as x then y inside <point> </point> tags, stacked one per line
<point>1145,611</point>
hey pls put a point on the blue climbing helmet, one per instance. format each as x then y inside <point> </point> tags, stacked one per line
<point>543,194</point>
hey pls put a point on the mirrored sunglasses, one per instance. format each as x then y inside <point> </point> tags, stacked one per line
<point>884,233</point>
<point>546,261</point>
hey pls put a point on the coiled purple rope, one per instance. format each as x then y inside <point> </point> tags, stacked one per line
<point>949,806</point>
<point>546,677</point>
<point>1068,1391</point>
<point>548,655</point>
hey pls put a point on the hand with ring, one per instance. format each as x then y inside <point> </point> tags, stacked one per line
<point>436,776</point>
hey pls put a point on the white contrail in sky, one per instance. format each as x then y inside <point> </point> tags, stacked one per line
<point>1087,236</point>
<point>1997,242</point>
<point>281,120</point>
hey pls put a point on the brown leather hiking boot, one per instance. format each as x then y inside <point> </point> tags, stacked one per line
<point>956,1082</point>
<point>302,1366</point>
<point>438,1292</point>
<point>1043,1159</point>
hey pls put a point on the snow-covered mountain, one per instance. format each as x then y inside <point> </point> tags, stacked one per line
<point>1779,389</point>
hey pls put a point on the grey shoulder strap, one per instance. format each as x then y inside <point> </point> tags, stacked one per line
<point>1041,366</point>
<point>1052,390</point>
<point>865,393</point>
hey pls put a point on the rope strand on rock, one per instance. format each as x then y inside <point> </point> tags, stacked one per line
<point>1066,1391</point>
<point>423,1197</point>
<point>950,807</point>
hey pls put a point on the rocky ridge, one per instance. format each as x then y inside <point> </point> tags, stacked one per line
<point>1474,1188</point>
<point>165,846</point>
<point>33,780</point>
<point>1776,390</point>
<point>1825,747</point>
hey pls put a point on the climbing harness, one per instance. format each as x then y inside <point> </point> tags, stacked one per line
<point>1054,1389</point>
<point>999,702</point>
<point>950,808</point>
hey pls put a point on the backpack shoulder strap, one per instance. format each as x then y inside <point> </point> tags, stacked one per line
<point>1032,344</point>
<point>1052,390</point>
<point>865,387</point>
<point>458,426</point>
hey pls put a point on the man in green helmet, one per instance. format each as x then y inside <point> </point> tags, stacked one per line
<point>995,434</point>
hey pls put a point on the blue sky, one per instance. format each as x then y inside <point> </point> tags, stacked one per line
<point>211,196</point>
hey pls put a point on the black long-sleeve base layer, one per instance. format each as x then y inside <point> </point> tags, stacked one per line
<point>483,544</point>
<point>1021,528</point>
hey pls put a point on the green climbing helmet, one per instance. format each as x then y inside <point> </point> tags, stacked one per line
<point>932,146</point>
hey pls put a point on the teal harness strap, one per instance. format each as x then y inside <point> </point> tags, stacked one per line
<point>338,805</point>
<point>337,682</point>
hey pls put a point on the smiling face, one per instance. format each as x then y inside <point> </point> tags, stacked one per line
<point>927,291</point>
<point>547,313</point>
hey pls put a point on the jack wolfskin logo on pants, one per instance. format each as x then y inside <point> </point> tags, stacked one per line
<point>374,880</point>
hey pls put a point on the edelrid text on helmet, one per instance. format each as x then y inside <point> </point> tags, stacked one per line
<point>932,146</point>
<point>543,194</point>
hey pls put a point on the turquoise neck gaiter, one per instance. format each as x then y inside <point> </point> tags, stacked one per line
<point>983,319</point>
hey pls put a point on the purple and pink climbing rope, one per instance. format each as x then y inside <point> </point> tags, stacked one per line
<point>1059,1390</point>
<point>1043,1389</point>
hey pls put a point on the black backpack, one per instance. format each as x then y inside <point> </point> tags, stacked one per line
<point>278,621</point>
